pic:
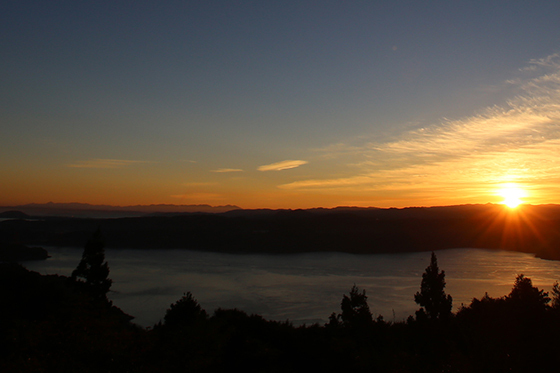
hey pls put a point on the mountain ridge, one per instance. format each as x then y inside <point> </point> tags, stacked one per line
<point>528,228</point>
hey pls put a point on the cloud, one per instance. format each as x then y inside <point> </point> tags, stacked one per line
<point>199,184</point>
<point>550,61</point>
<point>328,183</point>
<point>518,141</point>
<point>284,165</point>
<point>104,163</point>
<point>223,170</point>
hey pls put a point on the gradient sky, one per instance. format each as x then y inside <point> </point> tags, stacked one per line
<point>279,104</point>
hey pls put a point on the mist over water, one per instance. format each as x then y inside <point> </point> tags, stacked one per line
<point>304,288</point>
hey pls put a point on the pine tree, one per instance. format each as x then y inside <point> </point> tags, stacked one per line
<point>185,312</point>
<point>431,297</point>
<point>556,296</point>
<point>93,270</point>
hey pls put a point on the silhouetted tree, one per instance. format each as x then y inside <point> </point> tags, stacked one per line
<point>525,296</point>
<point>435,304</point>
<point>334,320</point>
<point>93,270</point>
<point>556,296</point>
<point>186,311</point>
<point>514,333</point>
<point>355,310</point>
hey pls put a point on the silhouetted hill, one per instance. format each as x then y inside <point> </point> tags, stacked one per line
<point>49,324</point>
<point>13,214</point>
<point>534,229</point>
<point>85,210</point>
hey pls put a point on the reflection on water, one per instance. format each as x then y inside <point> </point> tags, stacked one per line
<point>304,288</point>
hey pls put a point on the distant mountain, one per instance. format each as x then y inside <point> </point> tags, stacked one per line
<point>85,210</point>
<point>532,229</point>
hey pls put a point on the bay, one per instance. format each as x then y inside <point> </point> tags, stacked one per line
<point>303,288</point>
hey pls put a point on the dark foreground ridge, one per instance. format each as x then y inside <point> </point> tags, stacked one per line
<point>66,324</point>
<point>532,229</point>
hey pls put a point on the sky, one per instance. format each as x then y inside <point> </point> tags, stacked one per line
<point>279,104</point>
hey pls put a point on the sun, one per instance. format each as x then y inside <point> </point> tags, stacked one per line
<point>512,195</point>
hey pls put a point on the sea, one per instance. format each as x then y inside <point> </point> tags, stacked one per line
<point>300,288</point>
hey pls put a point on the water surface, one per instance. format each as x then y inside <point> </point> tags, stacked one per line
<point>304,288</point>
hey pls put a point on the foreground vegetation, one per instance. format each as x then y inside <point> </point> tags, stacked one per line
<point>66,324</point>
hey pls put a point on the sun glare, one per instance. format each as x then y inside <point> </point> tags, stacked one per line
<point>512,195</point>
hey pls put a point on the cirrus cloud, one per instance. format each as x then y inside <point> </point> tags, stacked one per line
<point>516,142</point>
<point>283,165</point>
<point>225,170</point>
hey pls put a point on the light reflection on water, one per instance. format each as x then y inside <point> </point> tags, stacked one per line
<point>304,288</point>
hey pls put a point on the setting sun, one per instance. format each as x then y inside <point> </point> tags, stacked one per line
<point>512,195</point>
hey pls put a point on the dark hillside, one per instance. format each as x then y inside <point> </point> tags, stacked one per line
<point>534,229</point>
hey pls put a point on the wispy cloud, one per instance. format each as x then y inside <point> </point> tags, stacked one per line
<point>104,163</point>
<point>518,141</point>
<point>550,61</point>
<point>328,183</point>
<point>224,170</point>
<point>284,165</point>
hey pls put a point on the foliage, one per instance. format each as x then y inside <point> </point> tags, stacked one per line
<point>431,297</point>
<point>355,311</point>
<point>526,297</point>
<point>186,311</point>
<point>49,324</point>
<point>517,332</point>
<point>556,296</point>
<point>93,270</point>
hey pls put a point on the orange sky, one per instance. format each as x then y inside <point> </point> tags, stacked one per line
<point>325,105</point>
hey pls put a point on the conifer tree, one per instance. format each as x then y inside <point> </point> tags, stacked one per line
<point>431,297</point>
<point>556,296</point>
<point>185,312</point>
<point>93,270</point>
